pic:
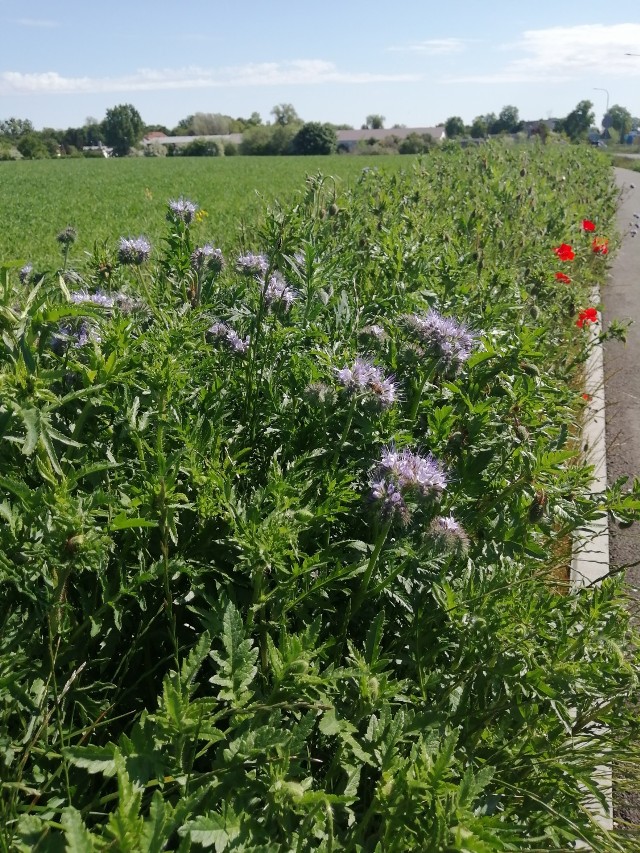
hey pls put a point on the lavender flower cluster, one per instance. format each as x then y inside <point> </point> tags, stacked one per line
<point>449,341</point>
<point>24,273</point>
<point>229,336</point>
<point>76,336</point>
<point>117,299</point>
<point>251,264</point>
<point>207,259</point>
<point>366,379</point>
<point>449,533</point>
<point>182,210</point>
<point>67,236</point>
<point>401,473</point>
<point>278,292</point>
<point>133,250</point>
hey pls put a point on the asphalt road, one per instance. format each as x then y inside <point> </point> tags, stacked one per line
<point>620,296</point>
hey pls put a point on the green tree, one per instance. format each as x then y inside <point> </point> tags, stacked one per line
<point>454,126</point>
<point>621,119</point>
<point>314,138</point>
<point>416,143</point>
<point>14,128</point>
<point>123,127</point>
<point>269,139</point>
<point>479,128</point>
<point>374,122</point>
<point>203,148</point>
<point>210,124</point>
<point>285,114</point>
<point>508,119</point>
<point>32,147</point>
<point>576,125</point>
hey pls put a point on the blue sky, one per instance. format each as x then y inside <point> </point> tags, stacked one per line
<point>415,62</point>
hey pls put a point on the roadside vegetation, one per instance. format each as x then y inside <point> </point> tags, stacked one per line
<point>282,526</point>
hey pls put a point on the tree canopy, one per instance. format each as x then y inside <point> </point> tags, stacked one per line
<point>454,126</point>
<point>123,127</point>
<point>621,119</point>
<point>374,122</point>
<point>284,114</point>
<point>314,138</point>
<point>576,125</point>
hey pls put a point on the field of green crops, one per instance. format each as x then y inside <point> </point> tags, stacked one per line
<point>283,516</point>
<point>105,199</point>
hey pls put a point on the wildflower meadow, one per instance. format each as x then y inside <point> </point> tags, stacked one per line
<point>285,527</point>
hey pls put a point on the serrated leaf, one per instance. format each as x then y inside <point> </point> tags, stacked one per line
<point>93,759</point>
<point>214,830</point>
<point>77,837</point>
<point>237,665</point>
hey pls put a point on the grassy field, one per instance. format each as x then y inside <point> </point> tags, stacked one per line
<point>105,199</point>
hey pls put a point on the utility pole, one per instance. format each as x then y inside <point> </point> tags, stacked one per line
<point>598,89</point>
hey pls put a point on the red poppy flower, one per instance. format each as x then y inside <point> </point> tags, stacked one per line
<point>562,277</point>
<point>589,315</point>
<point>600,245</point>
<point>587,397</point>
<point>588,225</point>
<point>565,252</point>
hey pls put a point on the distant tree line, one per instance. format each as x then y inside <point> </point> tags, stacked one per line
<point>576,125</point>
<point>122,129</point>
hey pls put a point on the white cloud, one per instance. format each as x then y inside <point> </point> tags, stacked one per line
<point>433,47</point>
<point>568,53</point>
<point>296,73</point>
<point>36,22</point>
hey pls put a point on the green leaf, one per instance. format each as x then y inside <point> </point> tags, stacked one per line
<point>77,836</point>
<point>122,522</point>
<point>237,665</point>
<point>94,759</point>
<point>214,830</point>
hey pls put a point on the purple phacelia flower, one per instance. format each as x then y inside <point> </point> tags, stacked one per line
<point>367,379</point>
<point>411,471</point>
<point>449,534</point>
<point>229,336</point>
<point>133,250</point>
<point>206,258</point>
<point>444,338</point>
<point>77,335</point>
<point>374,331</point>
<point>278,292</point>
<point>389,497</point>
<point>68,236</point>
<point>182,209</point>
<point>100,298</point>
<point>24,273</point>
<point>251,264</point>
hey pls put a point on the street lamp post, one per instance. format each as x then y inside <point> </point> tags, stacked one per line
<point>598,89</point>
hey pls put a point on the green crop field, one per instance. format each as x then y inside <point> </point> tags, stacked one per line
<point>105,199</point>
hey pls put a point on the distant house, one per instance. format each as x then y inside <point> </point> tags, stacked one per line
<point>348,139</point>
<point>154,136</point>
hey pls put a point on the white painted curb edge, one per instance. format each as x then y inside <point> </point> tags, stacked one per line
<point>590,559</point>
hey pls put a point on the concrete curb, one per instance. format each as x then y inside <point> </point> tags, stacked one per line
<point>590,559</point>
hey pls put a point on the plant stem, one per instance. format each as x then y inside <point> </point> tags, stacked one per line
<point>345,431</point>
<point>382,538</point>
